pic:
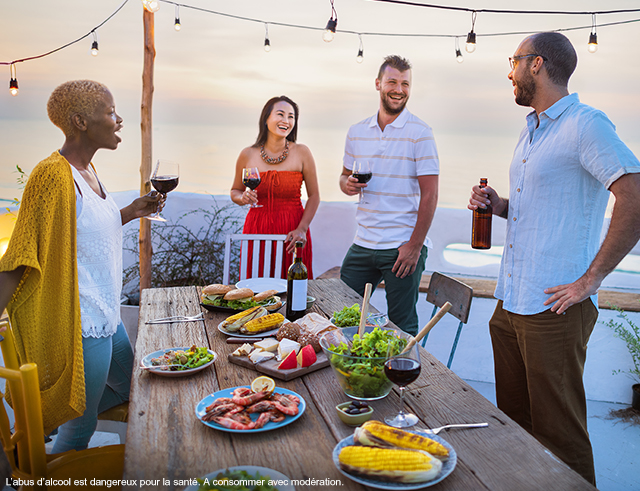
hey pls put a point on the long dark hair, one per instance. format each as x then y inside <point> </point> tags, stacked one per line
<point>263,131</point>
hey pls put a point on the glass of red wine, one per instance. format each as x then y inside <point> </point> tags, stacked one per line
<point>402,368</point>
<point>251,179</point>
<point>164,179</point>
<point>362,172</point>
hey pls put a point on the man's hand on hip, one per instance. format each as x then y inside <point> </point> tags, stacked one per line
<point>570,294</point>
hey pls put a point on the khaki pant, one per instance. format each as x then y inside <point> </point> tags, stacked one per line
<point>539,363</point>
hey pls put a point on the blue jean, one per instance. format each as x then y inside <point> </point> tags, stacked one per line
<point>362,265</point>
<point>108,363</point>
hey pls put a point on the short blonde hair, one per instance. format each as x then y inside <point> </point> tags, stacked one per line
<point>73,97</point>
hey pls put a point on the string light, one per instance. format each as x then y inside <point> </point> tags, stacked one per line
<point>151,5</point>
<point>330,30</point>
<point>177,26</point>
<point>593,37</point>
<point>94,45</point>
<point>459,57</point>
<point>13,83</point>
<point>267,42</point>
<point>471,37</point>
<point>360,56</point>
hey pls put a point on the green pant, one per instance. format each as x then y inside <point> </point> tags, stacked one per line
<point>361,266</point>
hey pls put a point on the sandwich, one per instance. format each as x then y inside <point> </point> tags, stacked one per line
<point>239,299</point>
<point>213,293</point>
<point>269,299</point>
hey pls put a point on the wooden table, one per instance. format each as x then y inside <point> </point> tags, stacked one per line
<point>167,444</point>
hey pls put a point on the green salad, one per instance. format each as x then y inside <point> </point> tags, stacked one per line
<point>183,360</point>
<point>237,480</point>
<point>361,366</point>
<point>348,316</point>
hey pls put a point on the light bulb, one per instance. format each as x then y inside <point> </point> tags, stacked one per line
<point>13,87</point>
<point>267,45</point>
<point>94,48</point>
<point>360,56</point>
<point>330,30</point>
<point>471,42</point>
<point>593,43</point>
<point>459,57</point>
<point>177,25</point>
<point>151,5</point>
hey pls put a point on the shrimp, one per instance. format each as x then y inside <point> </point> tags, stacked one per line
<point>247,400</point>
<point>218,410</point>
<point>285,404</point>
<point>260,407</point>
<point>232,424</point>
<point>219,401</point>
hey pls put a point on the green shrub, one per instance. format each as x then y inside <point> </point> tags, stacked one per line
<point>630,334</point>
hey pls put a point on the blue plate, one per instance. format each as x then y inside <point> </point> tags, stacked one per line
<point>447,467</point>
<point>202,405</point>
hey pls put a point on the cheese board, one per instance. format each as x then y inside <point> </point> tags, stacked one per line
<point>270,367</point>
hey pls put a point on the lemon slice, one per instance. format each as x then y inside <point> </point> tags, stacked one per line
<point>263,383</point>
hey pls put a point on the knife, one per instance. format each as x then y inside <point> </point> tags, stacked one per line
<point>242,340</point>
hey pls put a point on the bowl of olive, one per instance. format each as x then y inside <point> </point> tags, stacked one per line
<point>354,413</point>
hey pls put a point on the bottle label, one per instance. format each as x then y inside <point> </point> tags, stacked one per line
<point>299,295</point>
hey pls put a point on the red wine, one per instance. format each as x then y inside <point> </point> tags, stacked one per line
<point>252,182</point>
<point>402,371</point>
<point>164,184</point>
<point>363,178</point>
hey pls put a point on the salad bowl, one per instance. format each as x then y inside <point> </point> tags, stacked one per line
<point>359,366</point>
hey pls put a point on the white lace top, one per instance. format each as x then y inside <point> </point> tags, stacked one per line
<point>99,244</point>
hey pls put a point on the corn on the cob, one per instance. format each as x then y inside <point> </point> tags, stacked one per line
<point>236,321</point>
<point>261,324</point>
<point>377,434</point>
<point>396,465</point>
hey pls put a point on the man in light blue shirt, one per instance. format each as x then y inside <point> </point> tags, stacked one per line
<point>566,161</point>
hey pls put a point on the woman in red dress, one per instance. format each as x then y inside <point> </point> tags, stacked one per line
<point>283,165</point>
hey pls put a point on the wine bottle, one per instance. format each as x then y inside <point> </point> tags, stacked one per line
<point>481,226</point>
<point>296,286</point>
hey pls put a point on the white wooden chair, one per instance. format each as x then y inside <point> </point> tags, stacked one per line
<point>257,239</point>
<point>443,288</point>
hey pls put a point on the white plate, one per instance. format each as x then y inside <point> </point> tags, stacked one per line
<point>270,425</point>
<point>238,334</point>
<point>447,467</point>
<point>251,469</point>
<point>261,284</point>
<point>146,362</point>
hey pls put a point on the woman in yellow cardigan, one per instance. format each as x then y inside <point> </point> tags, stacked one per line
<point>61,276</point>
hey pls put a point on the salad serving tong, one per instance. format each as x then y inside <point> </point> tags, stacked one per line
<point>177,318</point>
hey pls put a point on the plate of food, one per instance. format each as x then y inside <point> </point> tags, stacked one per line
<point>436,460</point>
<point>261,410</point>
<point>178,362</point>
<point>252,323</point>
<point>226,298</point>
<point>271,480</point>
<point>262,284</point>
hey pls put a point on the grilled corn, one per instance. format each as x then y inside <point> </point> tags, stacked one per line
<point>396,465</point>
<point>377,434</point>
<point>262,324</point>
<point>236,321</point>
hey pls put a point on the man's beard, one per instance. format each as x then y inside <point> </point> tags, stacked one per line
<point>525,91</point>
<point>393,110</point>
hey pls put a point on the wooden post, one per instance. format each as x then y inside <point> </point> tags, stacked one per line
<point>146,251</point>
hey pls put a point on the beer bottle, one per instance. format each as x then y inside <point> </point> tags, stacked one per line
<point>481,226</point>
<point>296,286</point>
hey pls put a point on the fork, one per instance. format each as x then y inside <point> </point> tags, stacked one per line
<point>177,318</point>
<point>435,431</point>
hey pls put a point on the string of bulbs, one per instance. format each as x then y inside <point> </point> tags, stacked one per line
<point>330,30</point>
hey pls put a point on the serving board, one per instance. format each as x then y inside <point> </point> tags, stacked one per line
<point>270,367</point>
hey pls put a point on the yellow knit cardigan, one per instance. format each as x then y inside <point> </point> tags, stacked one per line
<point>45,309</point>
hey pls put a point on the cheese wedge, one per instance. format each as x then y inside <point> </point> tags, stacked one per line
<point>267,344</point>
<point>286,346</point>
<point>243,350</point>
<point>259,356</point>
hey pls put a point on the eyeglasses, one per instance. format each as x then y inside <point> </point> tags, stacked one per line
<point>513,61</point>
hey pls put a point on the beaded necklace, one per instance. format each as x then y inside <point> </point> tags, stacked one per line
<point>275,160</point>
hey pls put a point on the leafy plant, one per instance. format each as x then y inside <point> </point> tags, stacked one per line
<point>22,181</point>
<point>183,254</point>
<point>630,334</point>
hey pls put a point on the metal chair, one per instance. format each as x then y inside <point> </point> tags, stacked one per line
<point>443,288</point>
<point>258,240</point>
<point>25,447</point>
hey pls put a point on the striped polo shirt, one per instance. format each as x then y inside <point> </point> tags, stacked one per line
<point>405,150</point>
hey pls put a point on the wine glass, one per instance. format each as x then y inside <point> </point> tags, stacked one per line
<point>251,179</point>
<point>164,179</point>
<point>402,368</point>
<point>362,172</point>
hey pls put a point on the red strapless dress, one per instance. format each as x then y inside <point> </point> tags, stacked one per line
<point>281,211</point>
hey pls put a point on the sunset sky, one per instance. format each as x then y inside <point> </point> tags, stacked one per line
<point>213,77</point>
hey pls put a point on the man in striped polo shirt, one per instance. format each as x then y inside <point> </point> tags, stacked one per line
<point>401,198</point>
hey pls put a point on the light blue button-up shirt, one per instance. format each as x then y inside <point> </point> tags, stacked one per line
<point>562,167</point>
